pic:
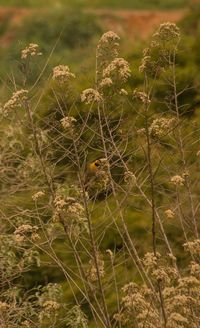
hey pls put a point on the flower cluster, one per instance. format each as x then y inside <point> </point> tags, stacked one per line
<point>149,66</point>
<point>90,96</point>
<point>17,100</point>
<point>156,56</point>
<point>73,212</point>
<point>160,127</point>
<point>37,195</point>
<point>106,83</point>
<point>92,271</point>
<point>177,180</point>
<point>30,51</point>
<point>169,214</point>
<point>118,70</point>
<point>193,246</point>
<point>137,301</point>
<point>107,47</point>
<point>168,32</point>
<point>141,96</point>
<point>26,230</point>
<point>62,74</point>
<point>49,300</point>
<point>51,305</point>
<point>67,122</point>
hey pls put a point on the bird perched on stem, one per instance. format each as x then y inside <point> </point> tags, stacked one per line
<point>98,177</point>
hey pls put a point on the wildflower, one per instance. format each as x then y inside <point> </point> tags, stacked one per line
<point>195,269</point>
<point>169,214</point>
<point>118,70</point>
<point>75,209</point>
<point>146,64</point>
<point>177,180</point>
<point>30,51</point>
<point>90,96</point>
<point>25,228</point>
<point>51,305</point>
<point>193,246</point>
<point>123,92</point>
<point>141,131</point>
<point>168,32</point>
<point>108,37</point>
<point>135,302</point>
<point>129,177</point>
<point>67,122</point>
<point>59,203</point>
<point>37,195</point>
<point>142,96</point>
<point>150,260</point>
<point>106,83</point>
<point>19,238</point>
<point>108,46</point>
<point>62,74</point>
<point>92,271</point>
<point>17,100</point>
<point>35,237</point>
<point>161,127</point>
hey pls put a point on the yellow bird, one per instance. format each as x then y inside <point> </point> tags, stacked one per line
<point>99,174</point>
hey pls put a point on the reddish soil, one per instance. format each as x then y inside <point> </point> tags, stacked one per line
<point>137,24</point>
<point>131,23</point>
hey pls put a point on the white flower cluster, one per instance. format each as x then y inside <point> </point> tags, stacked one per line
<point>106,83</point>
<point>37,195</point>
<point>108,45</point>
<point>67,122</point>
<point>31,50</point>
<point>17,100</point>
<point>118,70</point>
<point>177,180</point>
<point>141,96</point>
<point>62,74</point>
<point>168,32</point>
<point>161,127</point>
<point>193,246</point>
<point>72,215</point>
<point>108,37</point>
<point>169,214</point>
<point>26,230</point>
<point>90,96</point>
<point>51,305</point>
<point>123,92</point>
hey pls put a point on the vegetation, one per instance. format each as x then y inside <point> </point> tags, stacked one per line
<point>129,4</point>
<point>108,245</point>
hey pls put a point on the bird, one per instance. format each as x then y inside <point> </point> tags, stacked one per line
<point>99,174</point>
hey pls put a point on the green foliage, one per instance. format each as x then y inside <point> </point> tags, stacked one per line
<point>136,4</point>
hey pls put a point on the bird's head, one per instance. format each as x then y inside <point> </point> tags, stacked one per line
<point>95,166</point>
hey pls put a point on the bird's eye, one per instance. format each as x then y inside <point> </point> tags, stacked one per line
<point>97,164</point>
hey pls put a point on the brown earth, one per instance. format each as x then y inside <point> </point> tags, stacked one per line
<point>137,24</point>
<point>134,24</point>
